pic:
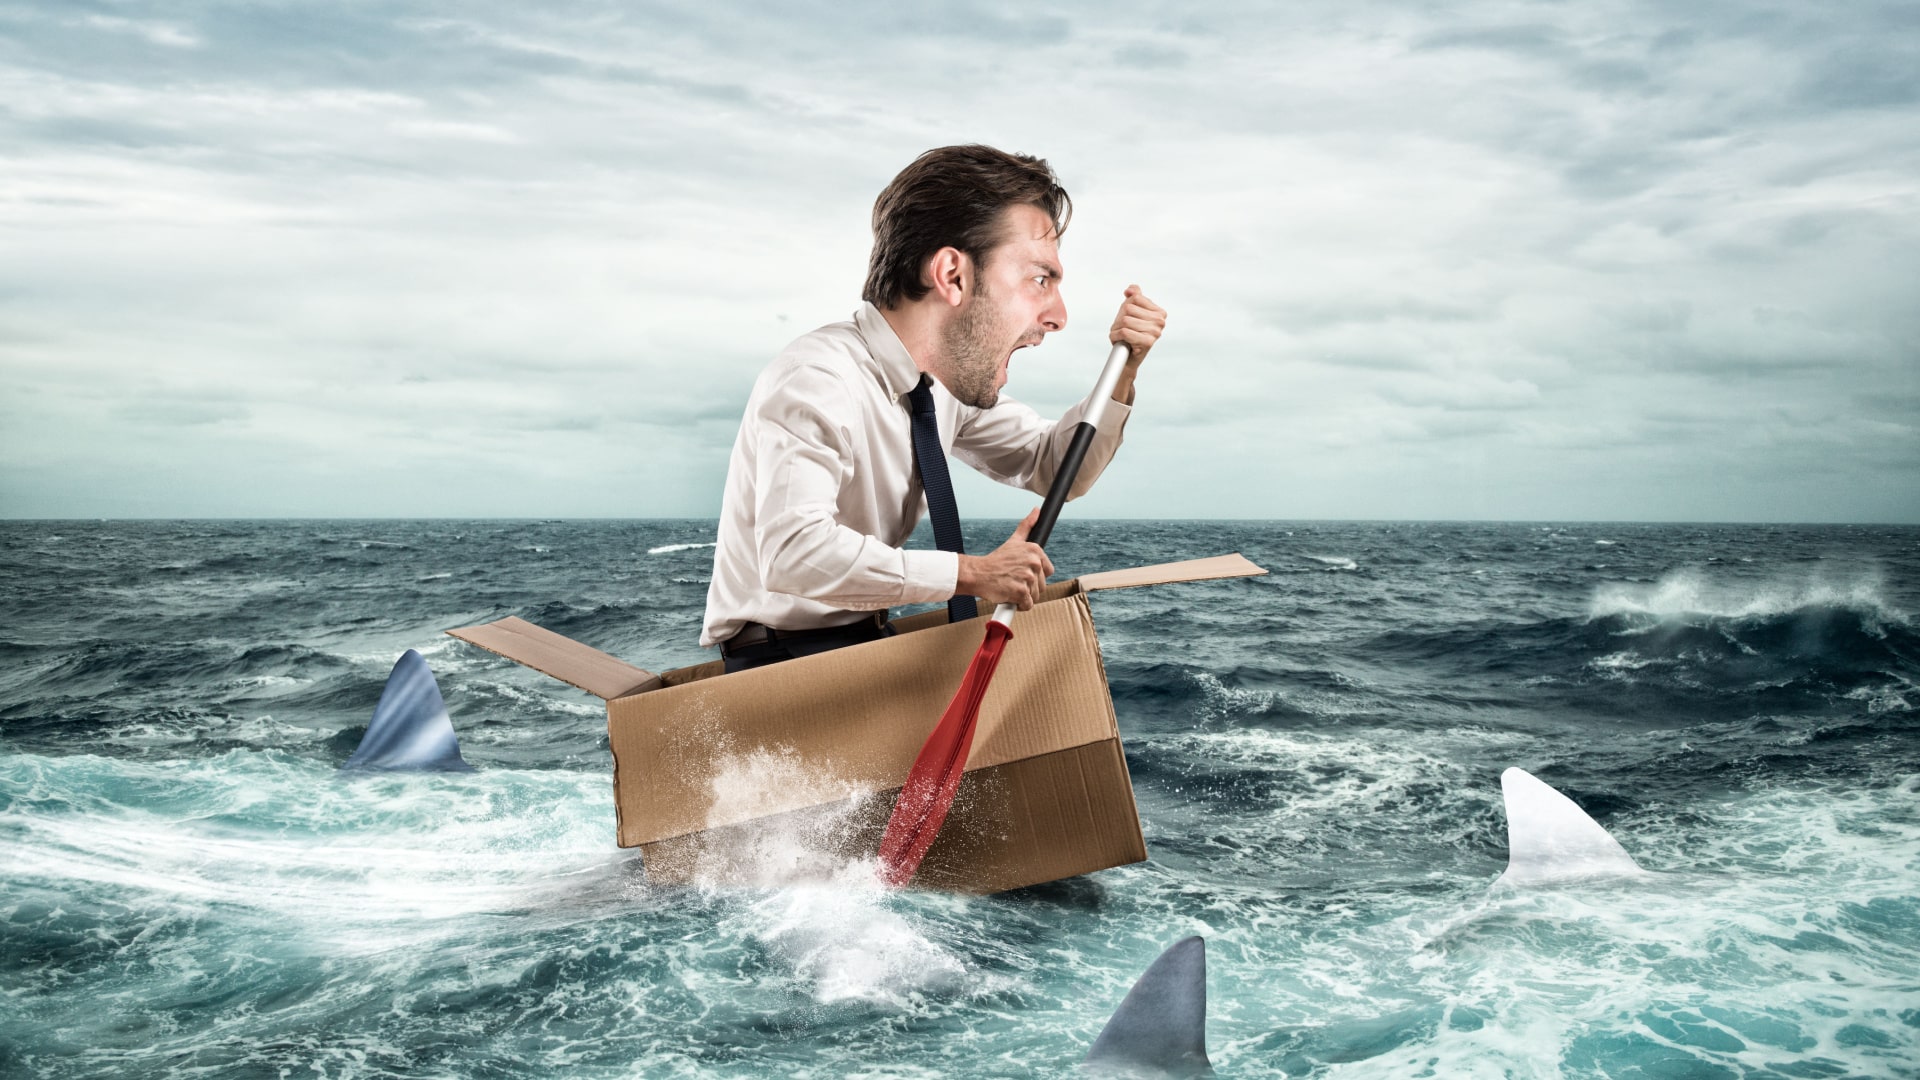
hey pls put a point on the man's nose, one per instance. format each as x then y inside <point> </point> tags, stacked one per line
<point>1055,316</point>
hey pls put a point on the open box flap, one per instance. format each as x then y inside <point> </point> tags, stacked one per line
<point>561,657</point>
<point>610,677</point>
<point>1220,566</point>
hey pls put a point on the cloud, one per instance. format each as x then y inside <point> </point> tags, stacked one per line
<point>1151,56</point>
<point>156,33</point>
<point>1415,257</point>
<point>179,413</point>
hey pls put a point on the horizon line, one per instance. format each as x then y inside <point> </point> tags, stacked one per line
<point>1252,520</point>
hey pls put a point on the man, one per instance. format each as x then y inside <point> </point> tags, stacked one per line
<point>824,484</point>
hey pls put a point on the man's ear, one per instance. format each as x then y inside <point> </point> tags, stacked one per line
<point>949,273</point>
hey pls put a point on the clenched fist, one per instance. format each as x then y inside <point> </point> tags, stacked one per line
<point>1014,574</point>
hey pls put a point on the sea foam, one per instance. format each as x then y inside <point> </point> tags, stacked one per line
<point>827,917</point>
<point>1692,593</point>
<point>664,549</point>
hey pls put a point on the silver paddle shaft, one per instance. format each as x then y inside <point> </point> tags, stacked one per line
<point>1091,417</point>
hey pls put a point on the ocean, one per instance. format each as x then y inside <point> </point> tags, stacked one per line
<point>190,891</point>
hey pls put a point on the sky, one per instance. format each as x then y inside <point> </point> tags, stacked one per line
<point>1474,260</point>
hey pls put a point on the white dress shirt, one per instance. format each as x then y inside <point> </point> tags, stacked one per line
<point>822,490</point>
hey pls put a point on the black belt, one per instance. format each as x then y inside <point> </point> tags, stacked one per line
<point>871,628</point>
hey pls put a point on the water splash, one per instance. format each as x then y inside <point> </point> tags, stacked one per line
<point>826,916</point>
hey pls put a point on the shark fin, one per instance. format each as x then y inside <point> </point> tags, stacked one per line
<point>1550,839</point>
<point>410,729</point>
<point>1161,1027</point>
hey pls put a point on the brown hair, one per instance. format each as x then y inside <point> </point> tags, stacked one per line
<point>952,196</point>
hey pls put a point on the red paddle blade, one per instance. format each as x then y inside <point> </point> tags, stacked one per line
<point>928,793</point>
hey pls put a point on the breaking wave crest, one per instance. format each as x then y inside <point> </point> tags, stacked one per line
<point>1685,594</point>
<point>665,549</point>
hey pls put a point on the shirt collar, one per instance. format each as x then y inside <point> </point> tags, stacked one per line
<point>898,372</point>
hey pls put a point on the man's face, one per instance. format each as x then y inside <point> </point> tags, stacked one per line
<point>1015,303</point>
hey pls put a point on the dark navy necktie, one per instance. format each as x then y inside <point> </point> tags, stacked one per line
<point>932,463</point>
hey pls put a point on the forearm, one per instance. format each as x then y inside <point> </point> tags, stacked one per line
<point>1013,445</point>
<point>810,555</point>
<point>1100,452</point>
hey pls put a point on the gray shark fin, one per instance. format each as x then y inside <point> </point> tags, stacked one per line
<point>1161,1027</point>
<point>410,729</point>
<point>1551,839</point>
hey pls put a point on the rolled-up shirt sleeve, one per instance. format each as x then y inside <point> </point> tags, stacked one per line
<point>1013,444</point>
<point>805,476</point>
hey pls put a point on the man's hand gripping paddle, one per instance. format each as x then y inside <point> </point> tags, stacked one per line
<point>928,793</point>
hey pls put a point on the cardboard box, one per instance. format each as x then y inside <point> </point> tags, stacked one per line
<point>788,771</point>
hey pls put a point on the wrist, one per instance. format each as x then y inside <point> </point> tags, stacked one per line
<point>966,580</point>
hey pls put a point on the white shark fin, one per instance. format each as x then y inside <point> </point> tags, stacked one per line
<point>1551,839</point>
<point>410,729</point>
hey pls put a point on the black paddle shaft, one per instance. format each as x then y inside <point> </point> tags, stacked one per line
<point>1062,483</point>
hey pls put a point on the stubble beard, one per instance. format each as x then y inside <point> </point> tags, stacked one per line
<point>972,343</point>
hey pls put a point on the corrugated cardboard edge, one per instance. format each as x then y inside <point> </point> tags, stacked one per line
<point>1220,566</point>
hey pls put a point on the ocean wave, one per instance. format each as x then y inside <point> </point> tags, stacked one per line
<point>545,700</point>
<point>1885,697</point>
<point>1315,758</point>
<point>1217,701</point>
<point>93,666</point>
<point>1334,562</point>
<point>666,549</point>
<point>1615,663</point>
<point>1690,593</point>
<point>270,832</point>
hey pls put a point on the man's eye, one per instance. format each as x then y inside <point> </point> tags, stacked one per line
<point>1042,279</point>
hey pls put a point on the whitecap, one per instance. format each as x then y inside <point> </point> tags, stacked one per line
<point>324,862</point>
<point>669,548</point>
<point>1689,592</point>
<point>544,700</point>
<point>1889,697</point>
<point>1334,562</point>
<point>269,681</point>
<point>1621,661</point>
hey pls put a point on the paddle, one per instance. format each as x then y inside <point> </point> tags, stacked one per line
<point>928,792</point>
